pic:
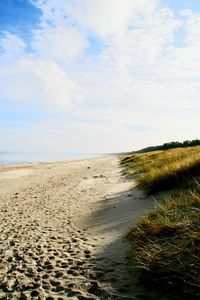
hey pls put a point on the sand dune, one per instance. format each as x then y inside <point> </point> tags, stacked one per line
<point>61,230</point>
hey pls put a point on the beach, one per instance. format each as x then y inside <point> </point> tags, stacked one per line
<point>62,230</point>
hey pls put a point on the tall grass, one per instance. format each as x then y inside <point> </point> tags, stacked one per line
<point>165,244</point>
<point>165,170</point>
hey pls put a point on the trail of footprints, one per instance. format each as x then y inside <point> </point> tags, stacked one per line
<point>53,268</point>
<point>48,261</point>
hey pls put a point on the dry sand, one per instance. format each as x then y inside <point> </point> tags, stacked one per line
<point>62,227</point>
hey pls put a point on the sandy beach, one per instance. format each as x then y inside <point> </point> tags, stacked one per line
<point>62,228</point>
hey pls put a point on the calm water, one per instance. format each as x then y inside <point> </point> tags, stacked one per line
<point>28,157</point>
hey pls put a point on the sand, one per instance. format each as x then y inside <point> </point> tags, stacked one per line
<point>62,228</point>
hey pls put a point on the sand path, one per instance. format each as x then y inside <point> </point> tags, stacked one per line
<point>61,230</point>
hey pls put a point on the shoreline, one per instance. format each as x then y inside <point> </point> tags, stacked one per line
<point>37,158</point>
<point>5,167</point>
<point>62,230</point>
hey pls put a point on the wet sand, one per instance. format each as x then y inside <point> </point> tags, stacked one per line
<point>62,227</point>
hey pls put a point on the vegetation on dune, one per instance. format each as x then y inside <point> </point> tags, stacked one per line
<point>164,170</point>
<point>165,244</point>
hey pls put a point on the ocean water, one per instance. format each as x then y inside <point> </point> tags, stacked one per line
<point>7,158</point>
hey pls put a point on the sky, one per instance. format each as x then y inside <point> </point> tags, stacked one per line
<point>98,76</point>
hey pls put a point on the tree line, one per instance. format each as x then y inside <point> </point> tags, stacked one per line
<point>170,145</point>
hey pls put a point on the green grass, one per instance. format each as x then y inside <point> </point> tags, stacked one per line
<point>165,243</point>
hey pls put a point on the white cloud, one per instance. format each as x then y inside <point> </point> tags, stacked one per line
<point>36,81</point>
<point>11,46</point>
<point>61,43</point>
<point>107,16</point>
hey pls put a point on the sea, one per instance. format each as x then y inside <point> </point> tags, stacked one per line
<point>10,158</point>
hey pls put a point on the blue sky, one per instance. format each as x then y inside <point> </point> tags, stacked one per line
<point>178,5</point>
<point>98,75</point>
<point>18,17</point>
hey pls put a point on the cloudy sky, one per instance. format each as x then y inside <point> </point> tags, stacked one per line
<point>98,75</point>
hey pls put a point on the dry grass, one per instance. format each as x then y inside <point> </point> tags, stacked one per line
<point>165,244</point>
<point>164,170</point>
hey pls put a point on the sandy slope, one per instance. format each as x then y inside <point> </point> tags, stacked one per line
<point>61,230</point>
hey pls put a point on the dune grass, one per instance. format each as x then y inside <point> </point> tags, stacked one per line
<point>164,170</point>
<point>165,243</point>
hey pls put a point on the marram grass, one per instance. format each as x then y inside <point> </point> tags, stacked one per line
<point>165,243</point>
<point>164,170</point>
